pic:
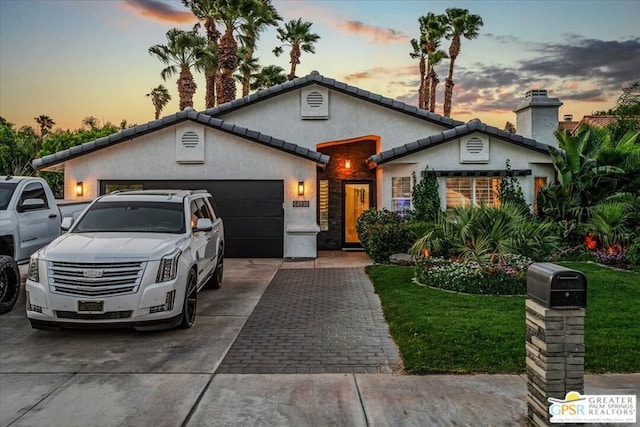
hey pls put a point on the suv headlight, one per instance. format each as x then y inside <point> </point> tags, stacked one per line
<point>34,273</point>
<point>168,269</point>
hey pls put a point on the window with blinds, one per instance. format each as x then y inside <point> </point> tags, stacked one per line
<point>472,191</point>
<point>401,195</point>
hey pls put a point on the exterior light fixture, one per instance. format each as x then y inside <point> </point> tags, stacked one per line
<point>300,188</point>
<point>79,189</point>
<point>347,163</point>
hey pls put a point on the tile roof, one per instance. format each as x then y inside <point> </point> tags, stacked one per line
<point>595,121</point>
<point>187,114</point>
<point>316,78</point>
<point>472,126</point>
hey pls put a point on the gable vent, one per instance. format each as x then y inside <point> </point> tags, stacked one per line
<point>474,150</point>
<point>475,146</point>
<point>190,140</point>
<point>314,103</point>
<point>314,99</point>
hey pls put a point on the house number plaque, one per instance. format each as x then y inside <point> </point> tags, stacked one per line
<point>300,203</point>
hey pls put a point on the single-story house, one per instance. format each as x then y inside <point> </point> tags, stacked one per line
<point>292,167</point>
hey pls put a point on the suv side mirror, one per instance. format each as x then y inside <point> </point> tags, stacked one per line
<point>204,224</point>
<point>67,222</point>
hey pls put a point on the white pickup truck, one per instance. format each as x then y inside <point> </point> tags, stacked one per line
<point>30,218</point>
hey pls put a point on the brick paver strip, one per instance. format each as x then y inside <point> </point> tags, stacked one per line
<point>315,321</point>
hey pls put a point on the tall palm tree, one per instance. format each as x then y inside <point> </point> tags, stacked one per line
<point>460,23</point>
<point>262,15</point>
<point>268,76</point>
<point>208,11</point>
<point>435,30</point>
<point>419,52</point>
<point>160,97</point>
<point>298,36</point>
<point>184,50</point>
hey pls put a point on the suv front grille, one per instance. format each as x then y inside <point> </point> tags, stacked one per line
<point>110,315</point>
<point>95,279</point>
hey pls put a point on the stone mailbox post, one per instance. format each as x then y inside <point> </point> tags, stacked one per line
<point>555,307</point>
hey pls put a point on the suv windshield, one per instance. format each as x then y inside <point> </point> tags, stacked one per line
<point>133,216</point>
<point>6,191</point>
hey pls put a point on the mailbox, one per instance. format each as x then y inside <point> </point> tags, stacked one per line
<point>555,286</point>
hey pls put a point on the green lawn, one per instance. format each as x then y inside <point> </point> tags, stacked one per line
<point>443,332</point>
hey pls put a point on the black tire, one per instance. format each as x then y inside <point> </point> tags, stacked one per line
<point>9,283</point>
<point>190,304</point>
<point>216,280</point>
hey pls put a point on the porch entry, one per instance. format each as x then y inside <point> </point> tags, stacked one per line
<point>357,199</point>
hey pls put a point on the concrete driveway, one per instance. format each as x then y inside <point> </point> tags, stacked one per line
<point>123,377</point>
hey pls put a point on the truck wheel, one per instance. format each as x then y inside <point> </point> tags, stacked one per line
<point>190,302</point>
<point>9,283</point>
<point>215,282</point>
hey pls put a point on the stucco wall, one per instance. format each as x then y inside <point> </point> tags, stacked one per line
<point>153,157</point>
<point>447,157</point>
<point>349,117</point>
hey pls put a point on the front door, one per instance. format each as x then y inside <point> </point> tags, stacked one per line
<point>357,199</point>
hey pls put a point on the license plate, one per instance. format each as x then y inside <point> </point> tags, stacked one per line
<point>91,306</point>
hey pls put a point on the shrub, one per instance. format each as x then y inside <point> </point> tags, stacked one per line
<point>504,278</point>
<point>382,234</point>
<point>426,197</point>
<point>633,255</point>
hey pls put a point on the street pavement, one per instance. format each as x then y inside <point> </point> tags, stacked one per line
<point>226,370</point>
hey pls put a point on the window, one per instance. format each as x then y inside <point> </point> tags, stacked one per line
<point>472,191</point>
<point>538,183</point>
<point>110,188</point>
<point>324,205</point>
<point>401,195</point>
<point>33,190</point>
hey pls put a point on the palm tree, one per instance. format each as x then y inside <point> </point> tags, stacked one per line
<point>160,97</point>
<point>91,122</point>
<point>435,30</point>
<point>268,76</point>
<point>184,50</point>
<point>298,36</point>
<point>247,68</point>
<point>46,124</point>
<point>460,23</point>
<point>419,52</point>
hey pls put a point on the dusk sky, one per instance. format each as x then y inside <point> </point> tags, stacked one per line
<point>70,59</point>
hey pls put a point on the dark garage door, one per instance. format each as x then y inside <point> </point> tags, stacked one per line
<point>252,212</point>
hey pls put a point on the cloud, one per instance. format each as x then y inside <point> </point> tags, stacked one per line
<point>378,35</point>
<point>608,62</point>
<point>159,11</point>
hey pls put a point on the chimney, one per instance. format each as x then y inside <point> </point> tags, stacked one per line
<point>537,116</point>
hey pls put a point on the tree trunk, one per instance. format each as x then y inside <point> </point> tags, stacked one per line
<point>432,90</point>
<point>295,60</point>
<point>421,88</point>
<point>227,64</point>
<point>210,94</point>
<point>454,51</point>
<point>186,88</point>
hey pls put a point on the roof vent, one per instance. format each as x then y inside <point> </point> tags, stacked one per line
<point>568,117</point>
<point>474,150</point>
<point>314,103</point>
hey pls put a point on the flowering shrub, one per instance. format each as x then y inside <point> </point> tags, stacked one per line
<point>504,278</point>
<point>582,253</point>
<point>382,234</point>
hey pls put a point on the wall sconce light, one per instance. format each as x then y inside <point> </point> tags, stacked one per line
<point>300,188</point>
<point>347,164</point>
<point>79,189</point>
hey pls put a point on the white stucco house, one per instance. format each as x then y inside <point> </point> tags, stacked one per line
<point>293,166</point>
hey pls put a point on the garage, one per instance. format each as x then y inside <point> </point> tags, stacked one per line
<point>252,211</point>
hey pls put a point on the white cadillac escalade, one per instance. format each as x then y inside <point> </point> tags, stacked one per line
<point>132,259</point>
